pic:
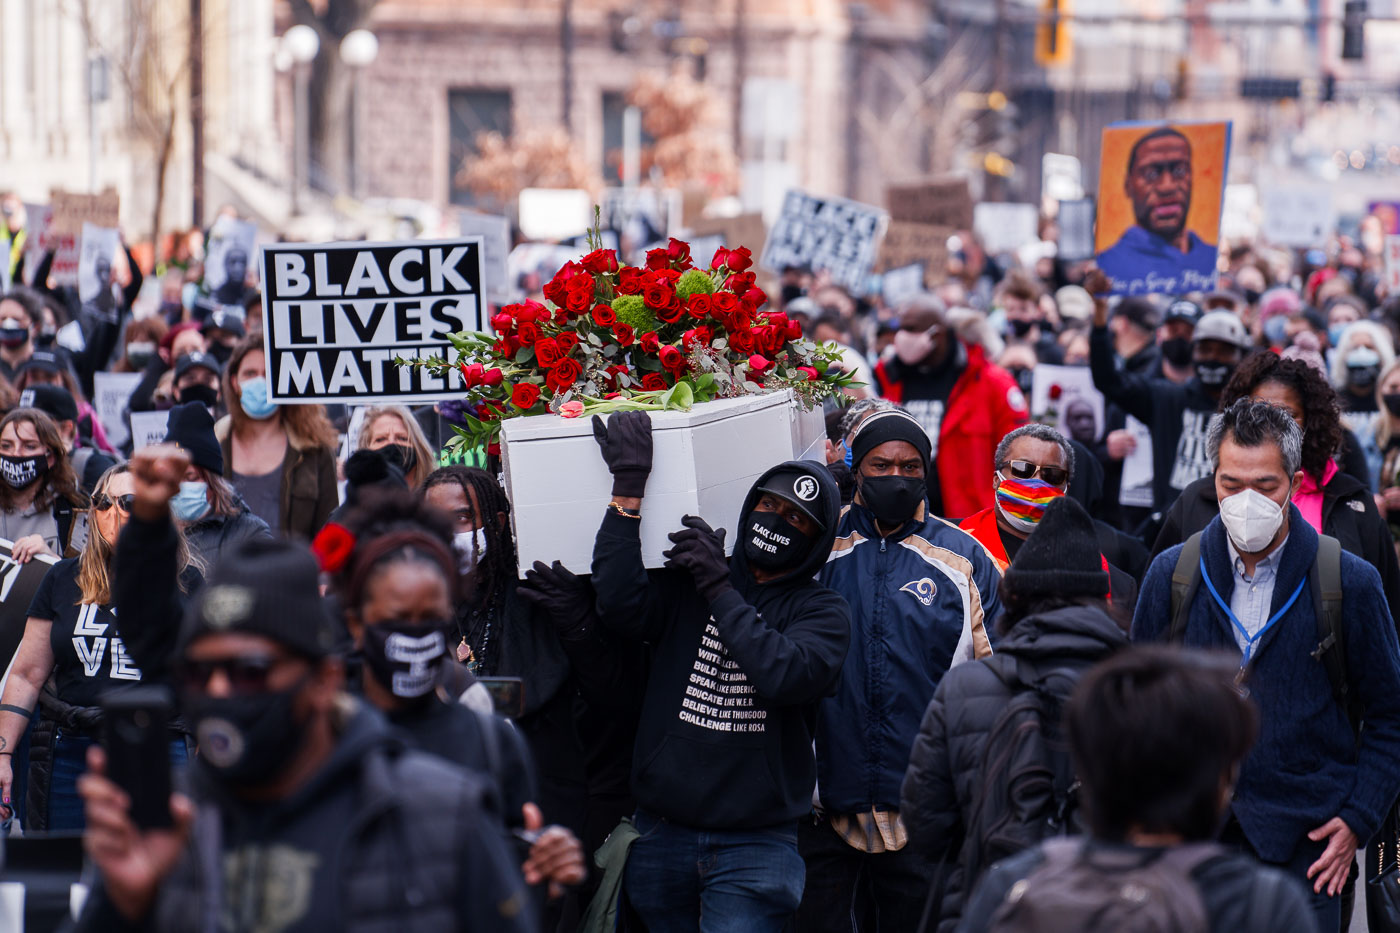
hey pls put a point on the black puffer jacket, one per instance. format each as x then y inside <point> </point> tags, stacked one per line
<point>1348,514</point>
<point>209,536</point>
<point>945,765</point>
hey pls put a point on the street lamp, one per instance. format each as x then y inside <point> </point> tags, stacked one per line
<point>358,50</point>
<point>301,44</point>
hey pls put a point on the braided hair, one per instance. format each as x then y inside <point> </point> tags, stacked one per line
<point>497,568</point>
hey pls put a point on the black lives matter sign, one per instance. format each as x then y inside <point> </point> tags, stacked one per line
<point>337,315</point>
<point>833,235</point>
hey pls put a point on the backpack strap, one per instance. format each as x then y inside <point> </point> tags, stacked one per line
<point>63,518</point>
<point>1186,578</point>
<point>1327,611</point>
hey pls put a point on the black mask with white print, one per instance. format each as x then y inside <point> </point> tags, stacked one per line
<point>21,472</point>
<point>405,657</point>
<point>772,543</point>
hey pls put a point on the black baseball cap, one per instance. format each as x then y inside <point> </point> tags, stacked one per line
<point>54,401</point>
<point>196,359</point>
<point>45,361</point>
<point>799,488</point>
<point>227,318</point>
<point>1184,309</point>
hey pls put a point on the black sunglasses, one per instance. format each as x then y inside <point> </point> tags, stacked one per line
<point>1024,469</point>
<point>102,502</point>
<point>246,674</point>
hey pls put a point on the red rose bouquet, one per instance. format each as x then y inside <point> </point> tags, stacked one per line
<point>611,337</point>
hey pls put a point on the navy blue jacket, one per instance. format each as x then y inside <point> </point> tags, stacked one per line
<point>921,600</point>
<point>1306,767</point>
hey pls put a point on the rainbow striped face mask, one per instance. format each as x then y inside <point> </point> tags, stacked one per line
<point>1023,501</point>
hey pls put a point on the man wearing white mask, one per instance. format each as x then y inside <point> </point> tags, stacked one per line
<point>965,402</point>
<point>1317,649</point>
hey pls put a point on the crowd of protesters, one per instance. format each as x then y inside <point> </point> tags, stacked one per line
<point>939,636</point>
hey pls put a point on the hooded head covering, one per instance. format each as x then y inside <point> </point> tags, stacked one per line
<point>824,507</point>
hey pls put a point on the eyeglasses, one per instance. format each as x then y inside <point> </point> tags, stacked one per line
<point>102,502</point>
<point>1179,169</point>
<point>246,674</point>
<point>1024,469</point>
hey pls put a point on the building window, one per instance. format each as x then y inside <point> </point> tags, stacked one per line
<point>471,113</point>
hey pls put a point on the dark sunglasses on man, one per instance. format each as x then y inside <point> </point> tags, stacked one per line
<point>245,674</point>
<point>1024,469</point>
<point>102,502</point>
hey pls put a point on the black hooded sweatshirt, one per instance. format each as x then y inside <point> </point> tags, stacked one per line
<point>725,737</point>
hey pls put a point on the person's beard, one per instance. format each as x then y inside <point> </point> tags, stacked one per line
<point>1144,219</point>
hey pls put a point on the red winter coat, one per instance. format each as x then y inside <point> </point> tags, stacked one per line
<point>984,405</point>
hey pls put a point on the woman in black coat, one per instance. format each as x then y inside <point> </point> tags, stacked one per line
<point>1348,510</point>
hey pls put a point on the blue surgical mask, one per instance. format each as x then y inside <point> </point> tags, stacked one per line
<point>848,458</point>
<point>253,397</point>
<point>1334,333</point>
<point>191,503</point>
<point>1276,330</point>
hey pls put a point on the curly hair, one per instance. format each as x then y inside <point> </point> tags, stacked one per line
<point>1322,421</point>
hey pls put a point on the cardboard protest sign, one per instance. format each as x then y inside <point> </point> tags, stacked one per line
<point>1064,397</point>
<point>97,249</point>
<point>1136,486</point>
<point>227,259</point>
<point>148,428</point>
<point>495,250</point>
<point>1076,222</point>
<point>111,392</point>
<point>907,243</point>
<point>943,202</point>
<point>1161,187</point>
<point>37,239</point>
<point>68,212</point>
<point>1005,227</point>
<point>18,583</point>
<point>1392,264</point>
<point>1298,214</point>
<point>337,315</point>
<point>826,234</point>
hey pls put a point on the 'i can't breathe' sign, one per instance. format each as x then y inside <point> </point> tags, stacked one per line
<point>337,315</point>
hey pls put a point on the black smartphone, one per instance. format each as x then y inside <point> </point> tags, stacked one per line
<point>136,736</point>
<point>508,693</point>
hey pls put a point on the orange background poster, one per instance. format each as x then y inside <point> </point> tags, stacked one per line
<point>1210,146</point>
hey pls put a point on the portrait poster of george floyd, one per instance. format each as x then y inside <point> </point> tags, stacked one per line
<point>1161,188</point>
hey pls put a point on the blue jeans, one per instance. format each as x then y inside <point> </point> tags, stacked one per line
<point>682,880</point>
<point>69,763</point>
<point>1327,911</point>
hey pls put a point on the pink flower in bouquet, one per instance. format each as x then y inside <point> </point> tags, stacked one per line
<point>571,409</point>
<point>758,365</point>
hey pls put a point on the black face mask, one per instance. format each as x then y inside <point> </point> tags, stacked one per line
<point>1025,378</point>
<point>22,472</point>
<point>247,739</point>
<point>789,292</point>
<point>1362,377</point>
<point>1214,375</point>
<point>220,351</point>
<point>893,499</point>
<point>208,396</point>
<point>400,455</point>
<point>1251,296</point>
<point>1019,328</point>
<point>1392,404</point>
<point>405,657</point>
<point>1177,351</point>
<point>13,336</point>
<point>772,543</point>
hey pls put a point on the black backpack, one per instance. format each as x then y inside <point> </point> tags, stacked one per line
<point>1029,791</point>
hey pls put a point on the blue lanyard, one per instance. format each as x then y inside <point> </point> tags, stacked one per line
<point>1249,640</point>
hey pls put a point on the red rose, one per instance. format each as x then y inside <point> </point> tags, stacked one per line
<point>739,259</point>
<point>604,315</point>
<point>657,259</point>
<point>699,306</point>
<point>699,335</point>
<point>492,378</point>
<point>777,318</point>
<point>333,545</point>
<point>564,374</point>
<point>624,334</point>
<point>532,311</point>
<point>525,395</point>
<point>1055,392</point>
<point>743,342</point>
<point>547,352</point>
<point>759,364</point>
<point>678,252</point>
<point>740,282</point>
<point>811,372</point>
<point>502,323</point>
<point>567,340</point>
<point>600,262</point>
<point>654,382</point>
<point>724,303</point>
<point>649,342</point>
<point>754,299</point>
<point>580,295</point>
<point>558,287</point>
<point>472,374</point>
<point>720,258</point>
<point>629,281</point>
<point>794,330</point>
<point>672,359</point>
<point>529,333</point>
<point>672,312</point>
<point>773,339</point>
<point>612,372</point>
<point>657,293</point>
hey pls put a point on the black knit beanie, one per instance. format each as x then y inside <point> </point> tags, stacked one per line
<point>1061,557</point>
<point>889,425</point>
<point>267,587</point>
<point>191,428</point>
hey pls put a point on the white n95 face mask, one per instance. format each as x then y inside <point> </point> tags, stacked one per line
<point>1251,519</point>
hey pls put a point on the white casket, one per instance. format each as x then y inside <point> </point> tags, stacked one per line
<point>703,463</point>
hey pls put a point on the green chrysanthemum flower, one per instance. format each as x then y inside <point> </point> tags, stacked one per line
<point>694,282</point>
<point>632,311</point>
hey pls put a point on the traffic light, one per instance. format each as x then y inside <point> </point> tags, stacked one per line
<point>1052,39</point>
<point>1329,87</point>
<point>1354,30</point>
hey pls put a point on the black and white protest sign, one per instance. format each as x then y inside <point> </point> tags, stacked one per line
<point>98,248</point>
<point>337,315</point>
<point>18,582</point>
<point>823,233</point>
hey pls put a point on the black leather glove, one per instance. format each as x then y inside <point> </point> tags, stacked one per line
<point>626,444</point>
<point>699,550</point>
<point>566,598</point>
